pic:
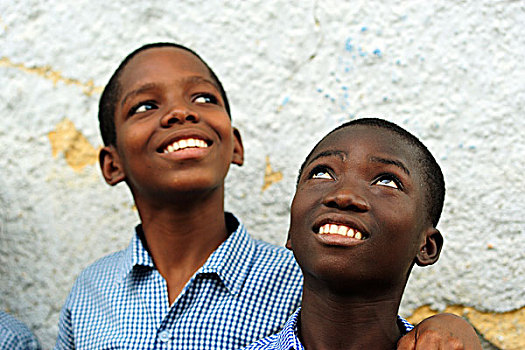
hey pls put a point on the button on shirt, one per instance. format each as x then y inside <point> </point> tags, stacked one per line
<point>287,338</point>
<point>14,335</point>
<point>245,291</point>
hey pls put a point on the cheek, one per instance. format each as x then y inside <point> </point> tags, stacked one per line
<point>128,138</point>
<point>300,208</point>
<point>399,225</point>
<point>400,212</point>
<point>222,126</point>
<point>298,219</point>
<point>406,243</point>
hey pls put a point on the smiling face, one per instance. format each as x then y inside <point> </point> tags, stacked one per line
<point>173,133</point>
<point>358,218</point>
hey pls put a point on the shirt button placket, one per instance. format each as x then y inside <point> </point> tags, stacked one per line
<point>164,337</point>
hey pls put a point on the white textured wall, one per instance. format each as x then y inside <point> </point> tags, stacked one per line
<point>451,72</point>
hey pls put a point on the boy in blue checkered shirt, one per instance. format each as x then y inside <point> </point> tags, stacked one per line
<point>368,200</point>
<point>15,335</point>
<point>192,278</point>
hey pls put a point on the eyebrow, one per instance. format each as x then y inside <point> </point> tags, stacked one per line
<point>397,163</point>
<point>141,89</point>
<point>152,86</point>
<point>329,153</point>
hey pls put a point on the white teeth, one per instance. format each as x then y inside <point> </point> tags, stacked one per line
<point>181,144</point>
<point>341,230</point>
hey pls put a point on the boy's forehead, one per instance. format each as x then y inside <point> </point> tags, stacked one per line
<point>159,61</point>
<point>370,141</point>
<point>367,137</point>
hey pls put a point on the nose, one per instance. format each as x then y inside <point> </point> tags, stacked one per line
<point>179,115</point>
<point>345,197</point>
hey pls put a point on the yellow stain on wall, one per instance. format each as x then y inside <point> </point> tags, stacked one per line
<point>47,72</point>
<point>78,152</point>
<point>270,176</point>
<point>505,330</point>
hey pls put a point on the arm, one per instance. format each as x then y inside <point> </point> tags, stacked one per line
<point>442,331</point>
<point>66,334</point>
<point>65,338</point>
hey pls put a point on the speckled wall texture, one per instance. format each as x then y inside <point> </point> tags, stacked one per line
<point>451,72</point>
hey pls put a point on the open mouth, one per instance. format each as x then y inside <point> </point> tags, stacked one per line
<point>184,144</point>
<point>342,230</point>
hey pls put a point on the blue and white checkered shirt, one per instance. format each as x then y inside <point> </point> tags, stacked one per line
<point>14,335</point>
<point>245,291</point>
<point>287,338</point>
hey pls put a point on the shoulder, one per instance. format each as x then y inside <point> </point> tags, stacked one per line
<point>104,268</point>
<point>276,262</point>
<point>274,276</point>
<point>15,335</point>
<point>97,277</point>
<point>265,249</point>
<point>264,258</point>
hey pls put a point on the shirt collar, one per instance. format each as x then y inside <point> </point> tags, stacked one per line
<point>231,261</point>
<point>287,338</point>
<point>135,254</point>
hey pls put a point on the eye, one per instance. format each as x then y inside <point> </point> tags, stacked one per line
<point>142,107</point>
<point>205,98</point>
<point>320,172</point>
<point>388,181</point>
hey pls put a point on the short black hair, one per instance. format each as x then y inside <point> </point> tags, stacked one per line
<point>111,93</point>
<point>430,169</point>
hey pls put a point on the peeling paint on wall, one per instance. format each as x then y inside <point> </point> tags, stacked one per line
<point>47,72</point>
<point>505,330</point>
<point>270,176</point>
<point>78,152</point>
<point>448,71</point>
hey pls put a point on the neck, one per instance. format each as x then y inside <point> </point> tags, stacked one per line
<point>333,321</point>
<point>181,234</point>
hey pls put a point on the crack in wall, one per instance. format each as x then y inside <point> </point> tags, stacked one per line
<point>48,73</point>
<point>313,55</point>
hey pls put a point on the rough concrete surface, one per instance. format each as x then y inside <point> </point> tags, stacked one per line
<point>451,72</point>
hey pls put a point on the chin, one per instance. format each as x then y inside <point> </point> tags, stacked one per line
<point>351,281</point>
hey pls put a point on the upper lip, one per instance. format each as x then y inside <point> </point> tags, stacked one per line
<point>339,219</point>
<point>183,134</point>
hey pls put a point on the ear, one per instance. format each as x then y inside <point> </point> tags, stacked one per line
<point>238,149</point>
<point>430,248</point>
<point>110,165</point>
